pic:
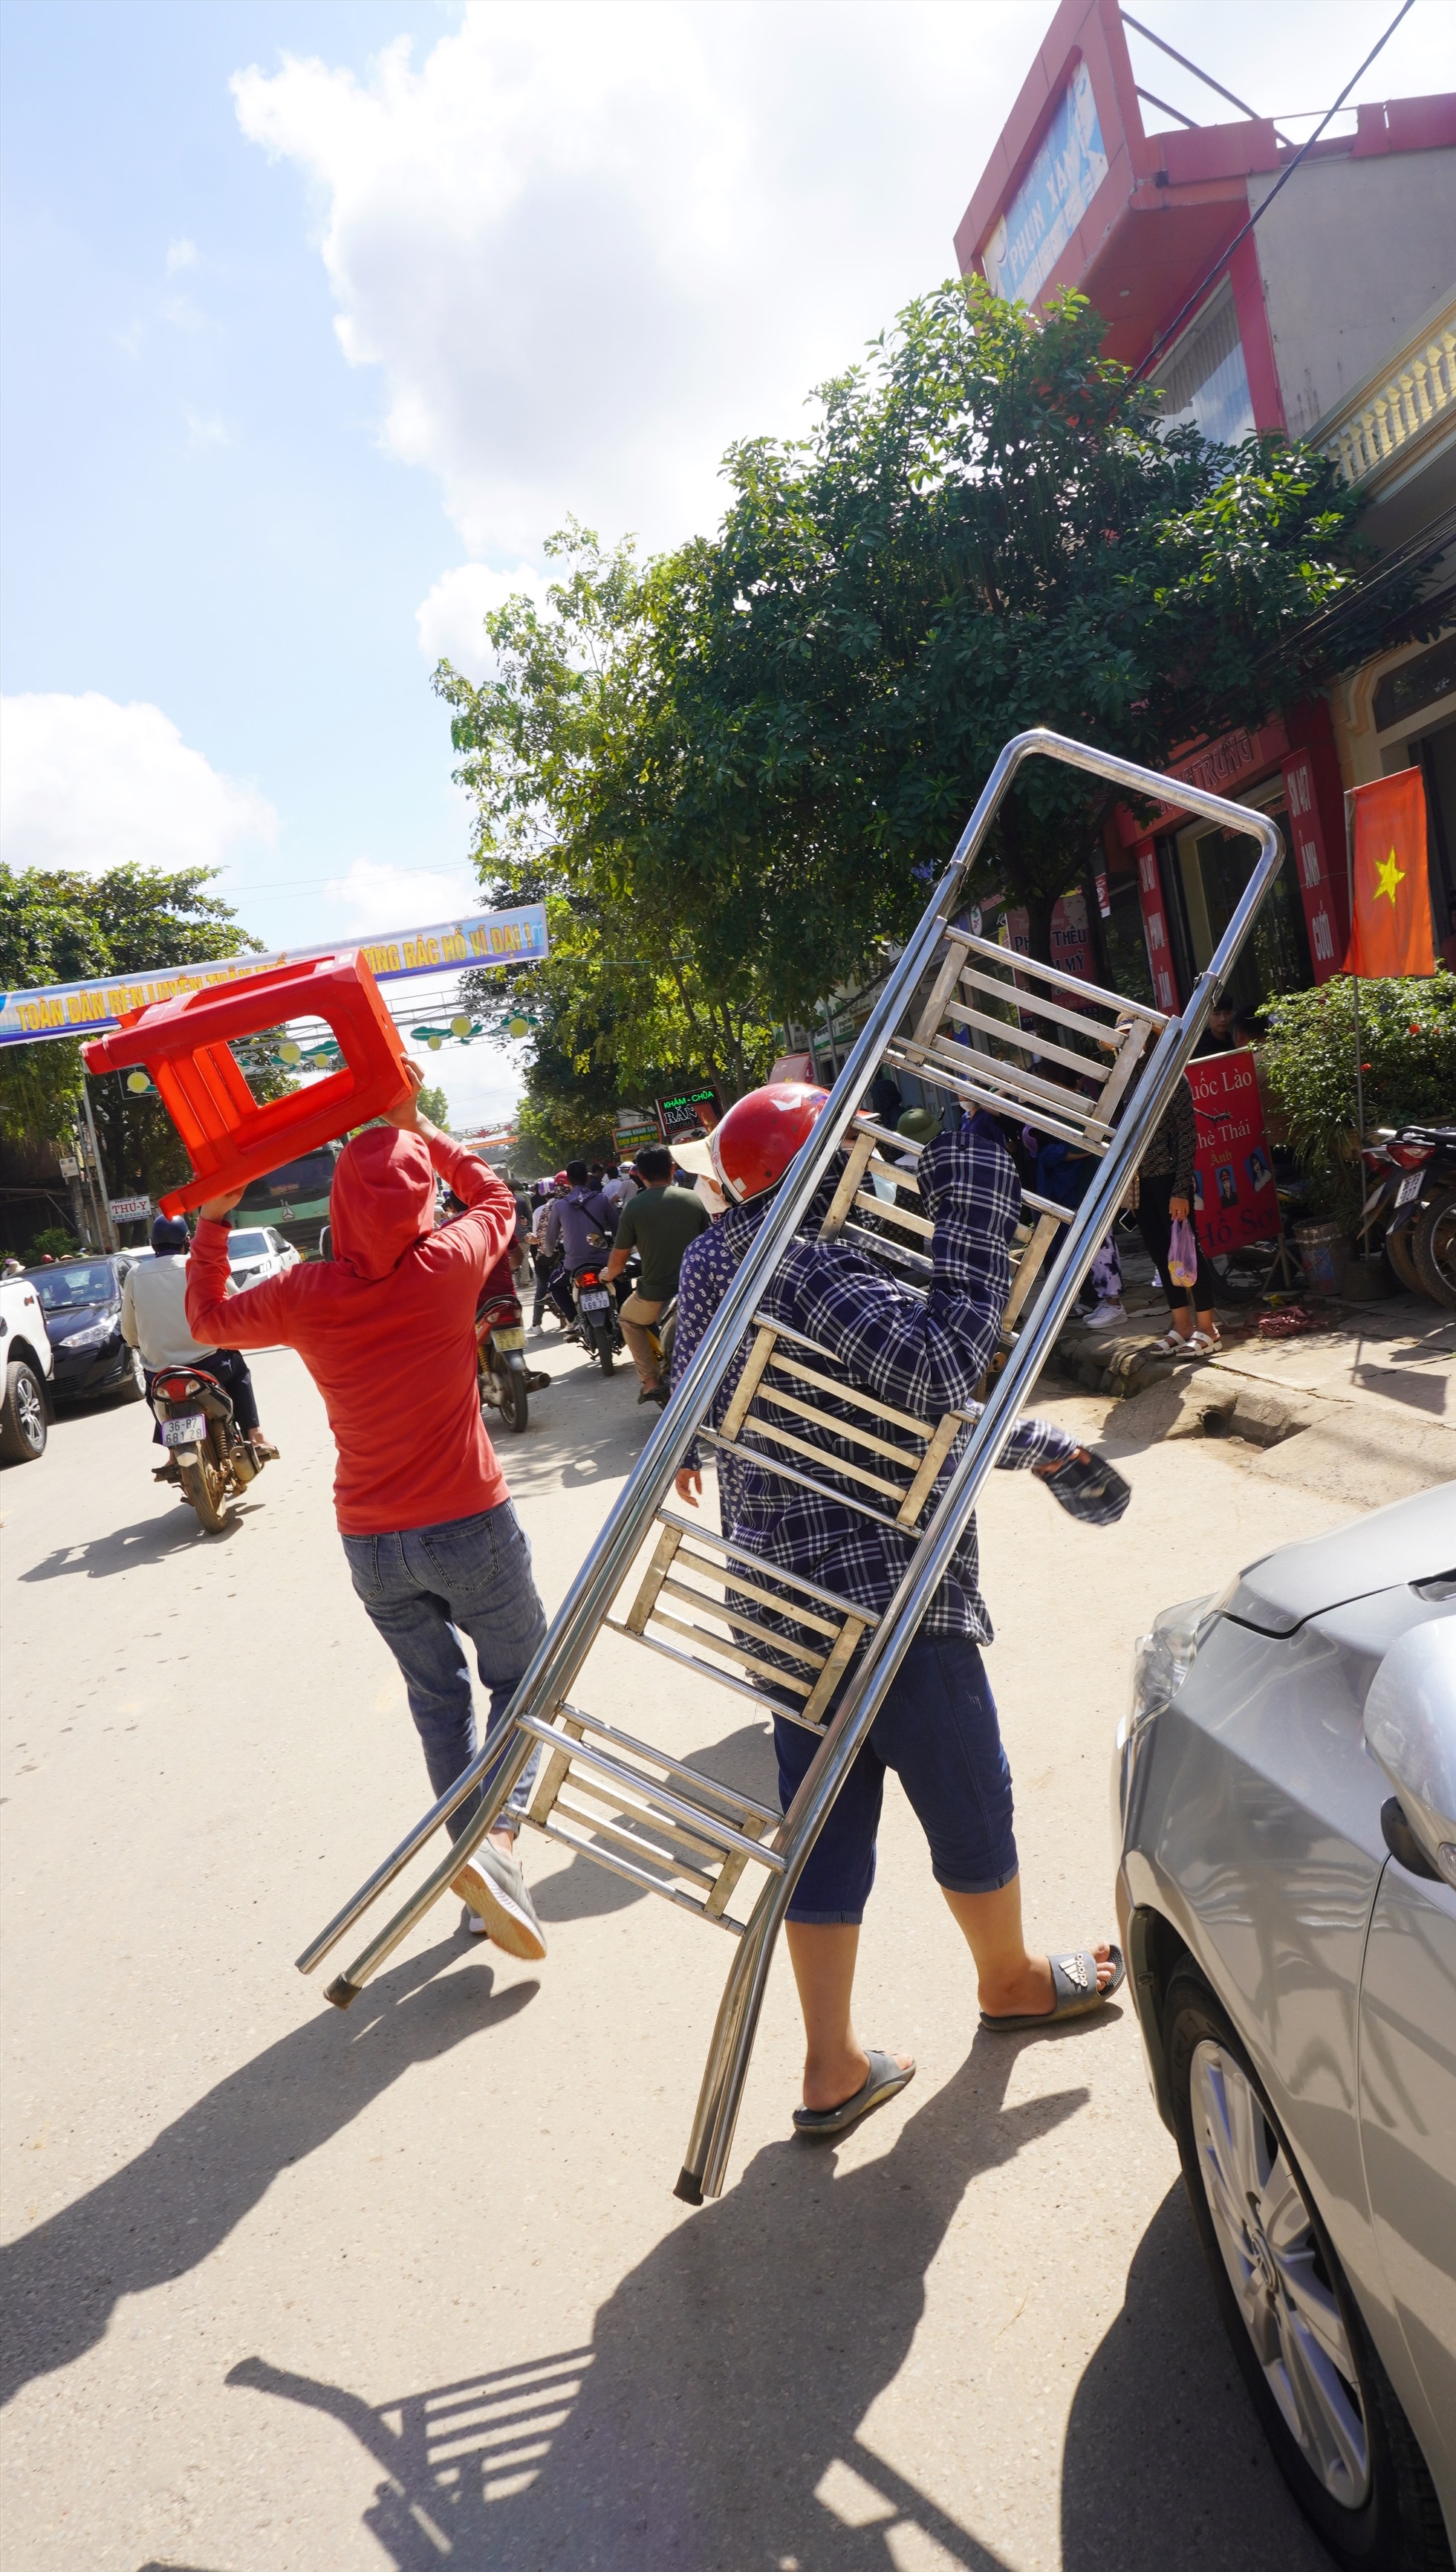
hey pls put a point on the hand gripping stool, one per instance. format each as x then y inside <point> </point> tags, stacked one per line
<point>987,1030</point>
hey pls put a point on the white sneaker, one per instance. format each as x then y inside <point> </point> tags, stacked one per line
<point>495,1890</point>
<point>1108,1317</point>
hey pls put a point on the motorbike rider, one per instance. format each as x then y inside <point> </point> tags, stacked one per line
<point>577,1231</point>
<point>154,1322</point>
<point>658,1223</point>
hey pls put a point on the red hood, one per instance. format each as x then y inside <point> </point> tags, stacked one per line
<point>382,1201</point>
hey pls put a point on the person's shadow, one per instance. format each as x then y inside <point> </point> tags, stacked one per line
<point>172,2206</point>
<point>713,2424</point>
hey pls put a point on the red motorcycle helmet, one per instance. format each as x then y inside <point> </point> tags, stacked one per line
<point>754,1144</point>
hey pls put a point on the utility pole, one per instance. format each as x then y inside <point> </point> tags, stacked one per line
<point>110,1238</point>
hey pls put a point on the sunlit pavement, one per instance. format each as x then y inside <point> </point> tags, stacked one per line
<point>408,2287</point>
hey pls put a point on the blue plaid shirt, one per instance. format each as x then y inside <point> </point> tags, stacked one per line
<point>926,1354</point>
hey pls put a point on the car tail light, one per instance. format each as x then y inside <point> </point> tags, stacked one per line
<point>1411,1155</point>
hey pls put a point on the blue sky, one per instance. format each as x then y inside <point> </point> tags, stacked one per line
<point>318,318</point>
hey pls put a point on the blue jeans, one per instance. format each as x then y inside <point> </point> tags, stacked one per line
<point>424,1589</point>
<point>938,1729</point>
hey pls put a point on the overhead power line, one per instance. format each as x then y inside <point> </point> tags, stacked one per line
<point>1194,300</point>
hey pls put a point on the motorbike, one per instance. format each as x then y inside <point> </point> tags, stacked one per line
<point>596,1317</point>
<point>207,1453</point>
<point>504,1378</point>
<point>1412,1172</point>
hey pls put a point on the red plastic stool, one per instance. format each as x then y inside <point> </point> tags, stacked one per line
<point>186,1047</point>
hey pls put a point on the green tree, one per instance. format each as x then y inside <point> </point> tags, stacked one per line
<point>60,927</point>
<point>983,531</point>
<point>435,1105</point>
<point>559,752</point>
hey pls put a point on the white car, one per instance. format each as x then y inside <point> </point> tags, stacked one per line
<point>25,1364</point>
<point>259,1251</point>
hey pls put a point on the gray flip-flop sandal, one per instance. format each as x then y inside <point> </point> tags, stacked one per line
<point>886,2077</point>
<point>1075,1982</point>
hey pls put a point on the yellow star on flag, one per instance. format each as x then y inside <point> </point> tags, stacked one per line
<point>1388,875</point>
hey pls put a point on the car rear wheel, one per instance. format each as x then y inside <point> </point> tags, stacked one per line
<point>22,1415</point>
<point>1327,2407</point>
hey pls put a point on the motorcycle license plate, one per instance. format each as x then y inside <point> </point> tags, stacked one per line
<point>510,1339</point>
<point>595,1303</point>
<point>190,1430</point>
<point>1409,1187</point>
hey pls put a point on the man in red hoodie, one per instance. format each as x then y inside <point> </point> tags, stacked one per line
<point>387,1329</point>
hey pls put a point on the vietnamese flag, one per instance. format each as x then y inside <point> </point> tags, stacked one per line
<point>1390,929</point>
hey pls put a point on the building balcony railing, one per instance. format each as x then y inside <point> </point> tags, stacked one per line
<point>1396,418</point>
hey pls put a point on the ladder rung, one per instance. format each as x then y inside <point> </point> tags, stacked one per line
<point>790,1474</point>
<point>1028,1085</point>
<point>735,1652</point>
<point>584,1847</point>
<point>1051,973</point>
<point>1026,1041</point>
<point>897,1252</point>
<point>744,1588</point>
<point>616,1829</point>
<point>818,1455</point>
<point>852,1393</point>
<point>657,1799</point>
<point>1042,1008</point>
<point>729,1795</point>
<point>841,1428</point>
<point>961,1085</point>
<point>742,1625</point>
<point>763,1563</point>
<point>767,1705</point>
<point>887,1214</point>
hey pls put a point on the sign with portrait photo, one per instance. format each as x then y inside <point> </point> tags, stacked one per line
<point>1235,1197</point>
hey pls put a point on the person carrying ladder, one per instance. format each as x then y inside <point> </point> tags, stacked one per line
<point>938,1725</point>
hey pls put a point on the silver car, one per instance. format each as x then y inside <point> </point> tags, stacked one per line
<point>1284,1795</point>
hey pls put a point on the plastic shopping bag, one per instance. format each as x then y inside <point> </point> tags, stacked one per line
<point>1182,1253</point>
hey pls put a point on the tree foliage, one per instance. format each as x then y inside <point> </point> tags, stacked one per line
<point>1407,1056</point>
<point>734,772</point>
<point>62,928</point>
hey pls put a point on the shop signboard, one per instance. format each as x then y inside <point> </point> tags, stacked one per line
<point>1312,867</point>
<point>130,1209</point>
<point>480,938</point>
<point>688,1113</point>
<point>1154,926</point>
<point>1235,1197</point>
<point>1066,169</point>
<point>634,1131</point>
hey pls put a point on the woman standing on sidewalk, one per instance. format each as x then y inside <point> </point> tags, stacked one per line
<point>1165,1197</point>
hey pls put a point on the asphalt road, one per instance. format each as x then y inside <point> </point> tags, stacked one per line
<point>408,2287</point>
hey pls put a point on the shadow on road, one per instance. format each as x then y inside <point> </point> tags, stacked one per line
<point>726,2382</point>
<point>153,1540</point>
<point>1166,2469</point>
<point>172,2206</point>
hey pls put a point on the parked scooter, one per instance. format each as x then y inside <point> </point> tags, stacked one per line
<point>1412,1171</point>
<point>596,1318</point>
<point>207,1453</point>
<point>504,1377</point>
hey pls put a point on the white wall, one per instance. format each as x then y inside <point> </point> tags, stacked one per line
<point>1352,255</point>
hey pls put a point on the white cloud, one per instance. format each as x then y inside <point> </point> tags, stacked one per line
<point>87,784</point>
<point>452,619</point>
<point>373,897</point>
<point>203,432</point>
<point>588,245</point>
<point>180,254</point>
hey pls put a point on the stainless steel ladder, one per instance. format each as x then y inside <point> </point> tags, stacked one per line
<point>989,1028</point>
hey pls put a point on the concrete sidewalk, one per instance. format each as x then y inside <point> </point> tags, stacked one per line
<point>1374,1380</point>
